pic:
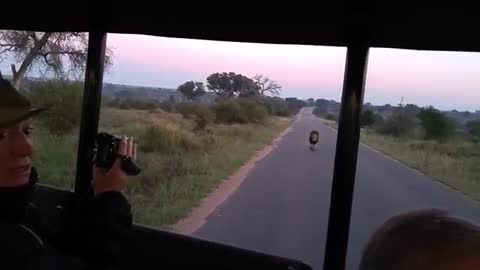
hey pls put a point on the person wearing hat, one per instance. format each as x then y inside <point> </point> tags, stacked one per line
<point>25,238</point>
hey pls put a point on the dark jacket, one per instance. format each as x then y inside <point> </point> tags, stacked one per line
<point>92,234</point>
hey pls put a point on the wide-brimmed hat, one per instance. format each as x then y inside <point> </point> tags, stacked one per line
<point>14,107</point>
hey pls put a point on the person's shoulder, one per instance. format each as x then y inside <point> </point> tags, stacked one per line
<point>22,248</point>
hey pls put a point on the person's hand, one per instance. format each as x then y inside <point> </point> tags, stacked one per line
<point>115,179</point>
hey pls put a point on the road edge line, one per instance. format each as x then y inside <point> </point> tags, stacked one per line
<point>198,215</point>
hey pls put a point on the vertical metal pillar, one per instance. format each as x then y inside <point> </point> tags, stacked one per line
<point>92,99</point>
<point>346,158</point>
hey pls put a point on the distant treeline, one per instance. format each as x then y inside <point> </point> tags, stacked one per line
<point>409,120</point>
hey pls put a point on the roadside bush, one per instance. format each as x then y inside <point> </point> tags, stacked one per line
<point>319,111</point>
<point>133,103</point>
<point>331,117</point>
<point>277,106</point>
<point>256,112</point>
<point>200,113</point>
<point>240,111</point>
<point>141,104</point>
<point>400,124</point>
<point>168,139</point>
<point>473,128</point>
<point>295,104</point>
<point>436,125</point>
<point>167,106</point>
<point>367,118</point>
<point>230,112</point>
<point>65,99</point>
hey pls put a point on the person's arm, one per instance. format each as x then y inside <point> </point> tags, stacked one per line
<point>109,213</point>
<point>14,202</point>
<point>108,229</point>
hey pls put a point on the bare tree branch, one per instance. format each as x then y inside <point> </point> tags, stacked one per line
<point>34,36</point>
<point>47,61</point>
<point>29,59</point>
<point>6,48</point>
<point>266,85</point>
<point>61,54</point>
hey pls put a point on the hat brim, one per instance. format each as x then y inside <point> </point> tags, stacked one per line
<point>13,116</point>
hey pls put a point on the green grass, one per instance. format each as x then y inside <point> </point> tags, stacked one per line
<point>55,157</point>
<point>180,166</point>
<point>455,163</point>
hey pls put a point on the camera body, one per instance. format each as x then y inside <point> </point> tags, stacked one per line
<point>105,154</point>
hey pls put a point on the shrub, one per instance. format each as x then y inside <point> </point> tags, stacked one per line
<point>277,106</point>
<point>435,124</point>
<point>66,101</point>
<point>367,118</point>
<point>295,104</point>
<point>400,124</point>
<point>133,103</point>
<point>240,111</point>
<point>331,117</point>
<point>200,113</point>
<point>473,128</point>
<point>255,111</point>
<point>167,106</point>
<point>168,139</point>
<point>230,112</point>
<point>141,104</point>
<point>319,111</point>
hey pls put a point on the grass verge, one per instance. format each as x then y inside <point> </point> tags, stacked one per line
<point>181,165</point>
<point>455,163</point>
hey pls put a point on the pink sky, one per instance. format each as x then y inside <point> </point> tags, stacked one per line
<point>447,80</point>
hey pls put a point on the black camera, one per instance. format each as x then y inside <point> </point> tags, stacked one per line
<point>105,154</point>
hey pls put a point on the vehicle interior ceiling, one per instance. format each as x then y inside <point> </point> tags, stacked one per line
<point>372,25</point>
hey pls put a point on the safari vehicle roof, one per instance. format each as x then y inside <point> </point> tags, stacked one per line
<point>403,24</point>
<point>357,24</point>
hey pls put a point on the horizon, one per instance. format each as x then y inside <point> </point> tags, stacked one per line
<point>304,99</point>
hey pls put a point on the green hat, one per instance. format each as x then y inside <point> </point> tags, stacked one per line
<point>14,107</point>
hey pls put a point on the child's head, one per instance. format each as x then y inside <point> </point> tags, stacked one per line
<point>423,239</point>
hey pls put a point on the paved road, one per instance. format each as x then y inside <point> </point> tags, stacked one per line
<point>282,206</point>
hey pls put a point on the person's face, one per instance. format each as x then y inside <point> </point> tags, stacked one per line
<point>15,154</point>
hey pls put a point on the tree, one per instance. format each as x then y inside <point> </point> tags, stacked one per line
<point>62,54</point>
<point>399,124</point>
<point>411,109</point>
<point>266,85</point>
<point>230,84</point>
<point>276,106</point>
<point>295,104</point>
<point>367,118</point>
<point>436,124</point>
<point>311,102</point>
<point>66,100</point>
<point>191,89</point>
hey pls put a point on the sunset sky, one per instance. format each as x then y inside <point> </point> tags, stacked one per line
<point>446,80</point>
